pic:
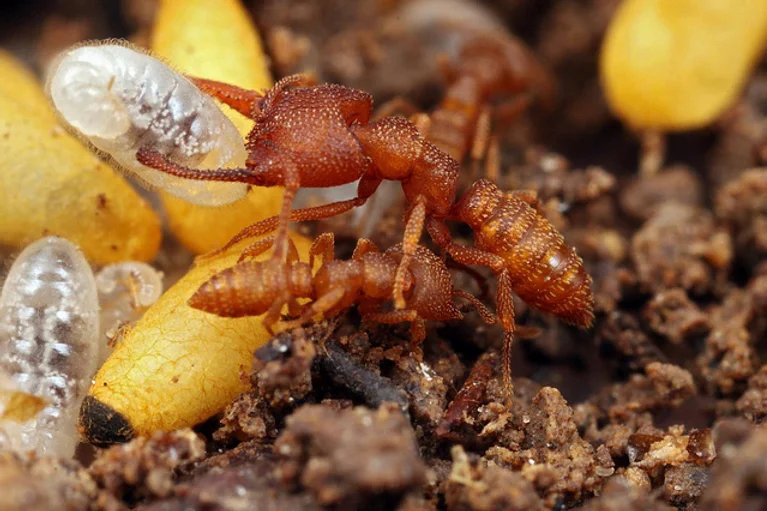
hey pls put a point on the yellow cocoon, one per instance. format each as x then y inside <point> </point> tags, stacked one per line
<point>52,184</point>
<point>214,39</point>
<point>672,65</point>
<point>178,366</point>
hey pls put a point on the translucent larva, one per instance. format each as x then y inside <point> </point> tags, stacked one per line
<point>120,100</point>
<point>49,327</point>
<point>125,290</point>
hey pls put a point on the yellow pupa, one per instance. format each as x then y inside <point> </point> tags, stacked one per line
<point>672,65</point>
<point>214,39</point>
<point>178,366</point>
<point>52,184</point>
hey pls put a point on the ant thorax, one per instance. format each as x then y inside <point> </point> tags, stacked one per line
<point>121,100</point>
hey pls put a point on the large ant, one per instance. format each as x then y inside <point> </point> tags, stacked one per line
<point>264,287</point>
<point>319,135</point>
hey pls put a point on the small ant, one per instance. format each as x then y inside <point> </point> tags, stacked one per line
<point>487,65</point>
<point>319,136</point>
<point>251,288</point>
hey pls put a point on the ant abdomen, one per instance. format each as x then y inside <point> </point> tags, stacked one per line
<point>545,272</point>
<point>235,292</point>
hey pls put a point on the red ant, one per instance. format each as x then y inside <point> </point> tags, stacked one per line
<point>252,288</point>
<point>320,136</point>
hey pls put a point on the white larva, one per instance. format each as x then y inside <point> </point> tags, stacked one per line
<point>49,326</point>
<point>125,290</point>
<point>121,99</point>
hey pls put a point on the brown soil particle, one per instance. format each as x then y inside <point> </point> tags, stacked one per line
<point>641,197</point>
<point>476,486</point>
<point>680,247</point>
<point>739,476</point>
<point>621,494</point>
<point>247,485</point>
<point>562,466</point>
<point>145,467</point>
<point>48,483</point>
<point>247,418</point>
<point>621,331</point>
<point>742,143</point>
<point>742,204</point>
<point>349,457</point>
<point>729,358</point>
<point>672,315</point>
<point>282,368</point>
<point>753,403</point>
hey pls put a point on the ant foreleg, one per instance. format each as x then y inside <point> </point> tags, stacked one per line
<point>244,101</point>
<point>268,225</point>
<point>412,236</point>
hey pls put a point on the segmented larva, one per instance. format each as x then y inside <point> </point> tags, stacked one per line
<point>125,290</point>
<point>121,99</point>
<point>49,326</point>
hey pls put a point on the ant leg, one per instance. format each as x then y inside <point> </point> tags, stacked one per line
<point>321,305</point>
<point>294,308</point>
<point>417,325</point>
<point>395,106</point>
<point>256,249</point>
<point>244,101</point>
<point>292,256</point>
<point>324,245</point>
<point>272,316</point>
<point>413,230</point>
<point>481,139</point>
<point>530,197</point>
<point>505,303</point>
<point>484,312</point>
<point>299,80</point>
<point>364,246</point>
<point>292,184</point>
<point>509,111</point>
<point>422,121</point>
<point>268,225</point>
<point>480,279</point>
<point>464,255</point>
<point>155,160</point>
<point>493,161</point>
